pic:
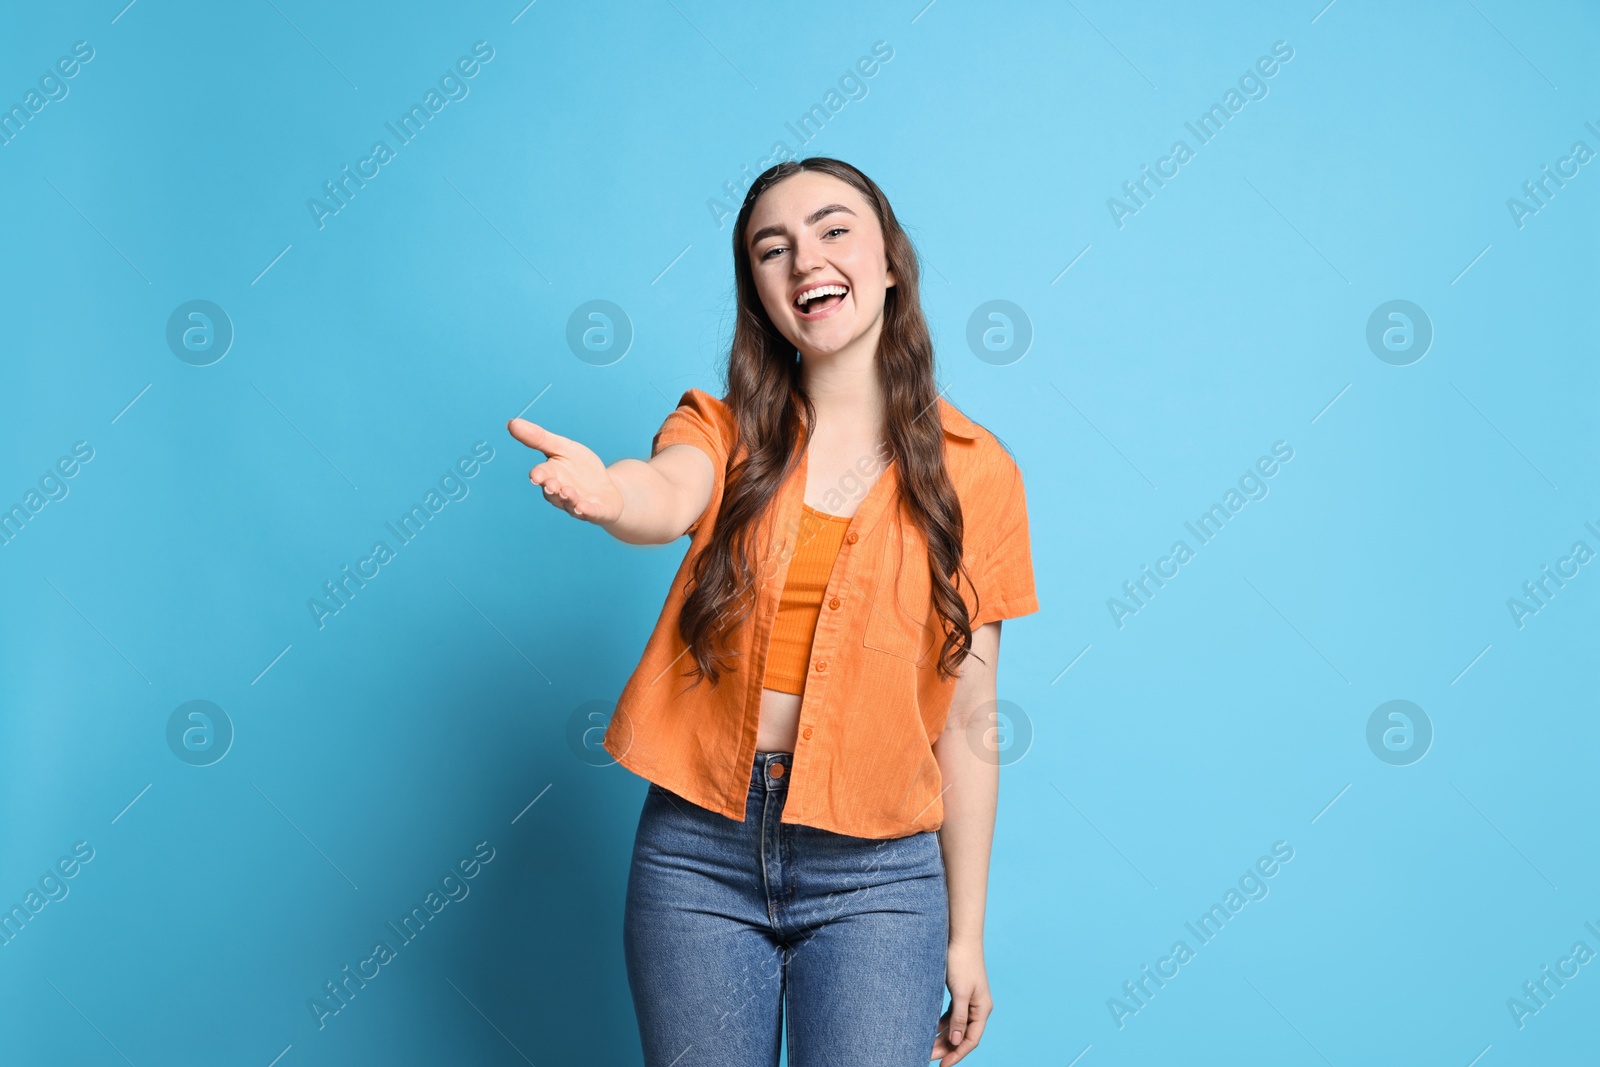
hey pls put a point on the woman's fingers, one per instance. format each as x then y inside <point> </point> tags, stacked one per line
<point>555,490</point>
<point>973,1032</point>
<point>558,492</point>
<point>537,437</point>
<point>564,457</point>
<point>958,1018</point>
<point>960,1028</point>
<point>572,476</point>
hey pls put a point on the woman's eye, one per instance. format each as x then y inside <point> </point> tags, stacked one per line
<point>768,253</point>
<point>836,229</point>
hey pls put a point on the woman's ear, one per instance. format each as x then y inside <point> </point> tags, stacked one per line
<point>888,279</point>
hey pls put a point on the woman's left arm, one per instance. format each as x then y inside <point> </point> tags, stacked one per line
<point>969,763</point>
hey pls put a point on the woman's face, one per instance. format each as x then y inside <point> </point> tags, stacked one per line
<point>813,230</point>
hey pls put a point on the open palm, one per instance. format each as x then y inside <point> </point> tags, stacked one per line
<point>572,476</point>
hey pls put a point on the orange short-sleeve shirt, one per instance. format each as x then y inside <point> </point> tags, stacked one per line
<point>873,705</point>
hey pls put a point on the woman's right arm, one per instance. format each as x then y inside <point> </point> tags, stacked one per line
<point>661,497</point>
<point>639,502</point>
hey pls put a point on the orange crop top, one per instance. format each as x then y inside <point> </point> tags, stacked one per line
<point>789,648</point>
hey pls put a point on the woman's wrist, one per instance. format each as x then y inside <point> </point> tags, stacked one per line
<point>967,939</point>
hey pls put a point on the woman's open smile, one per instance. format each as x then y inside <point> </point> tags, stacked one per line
<point>818,301</point>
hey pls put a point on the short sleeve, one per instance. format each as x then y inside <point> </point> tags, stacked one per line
<point>705,422</point>
<point>1005,572</point>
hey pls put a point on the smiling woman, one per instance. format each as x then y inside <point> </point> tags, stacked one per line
<point>815,840</point>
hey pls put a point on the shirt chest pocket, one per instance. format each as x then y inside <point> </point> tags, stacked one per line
<point>901,599</point>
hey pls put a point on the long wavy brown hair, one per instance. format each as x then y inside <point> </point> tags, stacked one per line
<point>772,415</point>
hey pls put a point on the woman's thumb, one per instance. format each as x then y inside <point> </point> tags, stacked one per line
<point>535,436</point>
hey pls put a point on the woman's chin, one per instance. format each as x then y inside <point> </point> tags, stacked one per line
<point>825,344</point>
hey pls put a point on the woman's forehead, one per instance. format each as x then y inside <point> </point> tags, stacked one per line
<point>796,198</point>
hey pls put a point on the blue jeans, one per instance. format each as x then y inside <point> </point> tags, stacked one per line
<point>725,922</point>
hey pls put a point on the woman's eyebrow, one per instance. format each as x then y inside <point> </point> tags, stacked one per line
<point>811,220</point>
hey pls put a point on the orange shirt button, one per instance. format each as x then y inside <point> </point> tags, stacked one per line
<point>807,734</point>
<point>777,770</point>
<point>822,666</point>
<point>833,603</point>
<point>852,537</point>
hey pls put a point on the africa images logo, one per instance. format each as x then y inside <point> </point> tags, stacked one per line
<point>452,87</point>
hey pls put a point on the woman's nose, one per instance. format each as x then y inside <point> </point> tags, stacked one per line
<point>807,256</point>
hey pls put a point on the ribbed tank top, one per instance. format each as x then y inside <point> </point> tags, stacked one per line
<point>816,547</point>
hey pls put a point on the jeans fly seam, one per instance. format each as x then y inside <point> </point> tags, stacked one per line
<point>768,834</point>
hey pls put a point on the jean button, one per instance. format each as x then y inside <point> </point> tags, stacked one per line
<point>777,770</point>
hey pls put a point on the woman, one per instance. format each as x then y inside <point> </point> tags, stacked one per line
<point>811,707</point>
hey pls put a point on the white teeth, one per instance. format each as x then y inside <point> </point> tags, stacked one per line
<point>821,290</point>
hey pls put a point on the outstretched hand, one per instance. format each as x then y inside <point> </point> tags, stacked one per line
<point>574,479</point>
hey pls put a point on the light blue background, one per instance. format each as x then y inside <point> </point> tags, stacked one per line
<point>1228,314</point>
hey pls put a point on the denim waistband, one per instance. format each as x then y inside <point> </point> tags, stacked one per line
<point>771,770</point>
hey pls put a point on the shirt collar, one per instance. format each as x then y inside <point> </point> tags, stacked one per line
<point>956,423</point>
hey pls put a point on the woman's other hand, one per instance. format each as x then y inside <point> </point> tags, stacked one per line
<point>970,1004</point>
